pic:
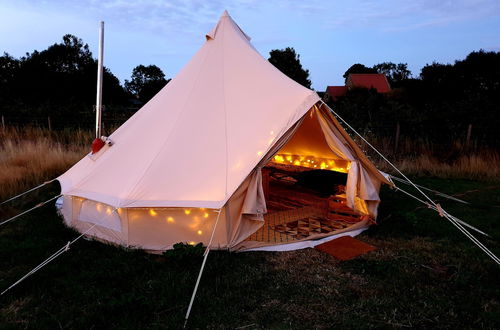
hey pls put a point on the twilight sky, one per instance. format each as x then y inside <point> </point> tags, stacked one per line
<point>330,36</point>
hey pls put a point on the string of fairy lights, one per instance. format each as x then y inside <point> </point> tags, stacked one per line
<point>311,161</point>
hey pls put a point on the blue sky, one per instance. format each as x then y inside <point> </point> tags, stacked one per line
<point>329,35</point>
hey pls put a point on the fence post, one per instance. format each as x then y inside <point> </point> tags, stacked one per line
<point>50,124</point>
<point>3,123</point>
<point>396,139</point>
<point>469,132</point>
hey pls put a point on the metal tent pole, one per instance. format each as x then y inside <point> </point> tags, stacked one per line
<point>98,107</point>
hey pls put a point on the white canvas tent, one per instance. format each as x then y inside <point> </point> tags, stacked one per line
<point>198,148</point>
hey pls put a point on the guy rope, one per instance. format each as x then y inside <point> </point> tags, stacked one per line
<point>431,204</point>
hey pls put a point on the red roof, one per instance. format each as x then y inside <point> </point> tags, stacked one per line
<point>377,81</point>
<point>336,91</point>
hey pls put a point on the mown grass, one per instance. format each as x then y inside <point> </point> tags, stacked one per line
<point>424,274</point>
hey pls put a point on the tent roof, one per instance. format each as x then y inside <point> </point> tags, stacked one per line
<point>196,141</point>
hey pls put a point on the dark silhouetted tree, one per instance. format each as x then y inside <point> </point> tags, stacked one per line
<point>9,66</point>
<point>146,82</point>
<point>59,81</point>
<point>288,61</point>
<point>358,68</point>
<point>395,73</point>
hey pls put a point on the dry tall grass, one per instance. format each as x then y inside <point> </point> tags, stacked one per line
<point>423,158</point>
<point>31,155</point>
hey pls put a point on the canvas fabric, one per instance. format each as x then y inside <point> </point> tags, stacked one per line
<point>198,147</point>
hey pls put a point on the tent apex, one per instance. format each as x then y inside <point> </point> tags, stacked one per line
<point>225,14</point>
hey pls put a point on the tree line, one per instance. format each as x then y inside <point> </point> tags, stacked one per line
<point>60,82</point>
<point>442,103</point>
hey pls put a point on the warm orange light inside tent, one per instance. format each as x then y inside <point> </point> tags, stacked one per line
<point>152,212</point>
<point>98,207</point>
<point>192,243</point>
<point>311,161</point>
<point>170,220</point>
<point>108,210</point>
<point>187,211</point>
<point>205,215</point>
<point>199,232</point>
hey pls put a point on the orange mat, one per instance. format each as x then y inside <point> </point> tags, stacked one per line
<point>345,248</point>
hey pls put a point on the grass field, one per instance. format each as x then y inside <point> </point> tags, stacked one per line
<point>424,273</point>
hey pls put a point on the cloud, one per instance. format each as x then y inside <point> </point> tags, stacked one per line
<point>396,15</point>
<point>187,17</point>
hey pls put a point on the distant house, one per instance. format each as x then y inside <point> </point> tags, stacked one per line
<point>376,81</point>
<point>334,92</point>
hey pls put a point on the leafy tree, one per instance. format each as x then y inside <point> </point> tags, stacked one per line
<point>463,93</point>
<point>146,82</point>
<point>8,68</point>
<point>59,81</point>
<point>288,61</point>
<point>395,73</point>
<point>358,68</point>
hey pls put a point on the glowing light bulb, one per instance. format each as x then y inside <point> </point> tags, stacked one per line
<point>205,215</point>
<point>170,220</point>
<point>192,243</point>
<point>199,232</point>
<point>187,211</point>
<point>108,210</point>
<point>98,207</point>
<point>152,212</point>
<point>297,162</point>
<point>259,153</point>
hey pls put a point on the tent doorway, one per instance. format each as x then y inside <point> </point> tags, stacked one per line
<point>304,187</point>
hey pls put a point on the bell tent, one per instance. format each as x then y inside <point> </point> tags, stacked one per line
<point>198,162</point>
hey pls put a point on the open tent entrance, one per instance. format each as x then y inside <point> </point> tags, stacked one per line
<point>304,185</point>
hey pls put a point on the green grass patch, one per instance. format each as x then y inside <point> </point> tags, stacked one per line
<point>424,274</point>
